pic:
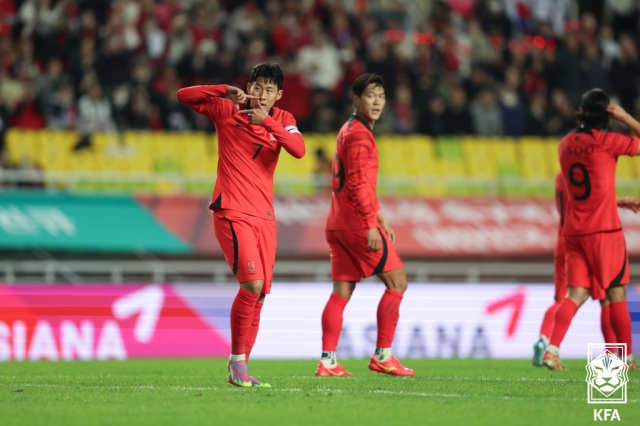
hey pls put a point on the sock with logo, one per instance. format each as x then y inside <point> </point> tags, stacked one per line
<point>382,354</point>
<point>621,323</point>
<point>241,316</point>
<point>332,322</point>
<point>562,320</point>
<point>605,325</point>
<point>388,315</point>
<point>547,322</point>
<point>250,340</point>
<point>329,359</point>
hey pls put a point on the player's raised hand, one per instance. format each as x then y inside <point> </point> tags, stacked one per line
<point>374,239</point>
<point>256,115</point>
<point>629,203</point>
<point>617,112</point>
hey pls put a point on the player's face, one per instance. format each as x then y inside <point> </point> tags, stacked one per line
<point>267,91</point>
<point>370,105</point>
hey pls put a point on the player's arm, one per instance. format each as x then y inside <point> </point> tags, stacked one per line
<point>288,136</point>
<point>618,113</point>
<point>357,152</point>
<point>207,100</point>
<point>629,203</point>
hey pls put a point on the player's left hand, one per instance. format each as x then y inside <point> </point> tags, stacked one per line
<point>390,232</point>
<point>256,116</point>
<point>629,203</point>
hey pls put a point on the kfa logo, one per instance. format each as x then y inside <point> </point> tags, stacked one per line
<point>606,414</point>
<point>607,374</point>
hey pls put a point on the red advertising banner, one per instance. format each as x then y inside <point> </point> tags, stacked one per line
<point>424,227</point>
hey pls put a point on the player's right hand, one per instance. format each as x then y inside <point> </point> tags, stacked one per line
<point>374,239</point>
<point>237,96</point>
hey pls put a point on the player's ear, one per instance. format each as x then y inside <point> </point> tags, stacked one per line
<point>248,87</point>
<point>356,101</point>
<point>279,95</point>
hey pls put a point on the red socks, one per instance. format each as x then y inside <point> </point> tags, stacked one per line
<point>332,322</point>
<point>547,321</point>
<point>562,320</point>
<point>388,314</point>
<point>241,317</point>
<point>621,322</point>
<point>605,324</point>
<point>253,331</point>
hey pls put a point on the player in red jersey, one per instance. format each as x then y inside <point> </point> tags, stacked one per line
<point>251,133</point>
<point>359,237</point>
<point>597,262</point>
<point>560,276</point>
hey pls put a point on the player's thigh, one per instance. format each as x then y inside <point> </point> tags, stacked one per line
<point>608,259</point>
<point>370,262</point>
<point>266,231</point>
<point>577,268</point>
<point>343,266</point>
<point>239,243</point>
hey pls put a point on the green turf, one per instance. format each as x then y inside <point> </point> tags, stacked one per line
<point>194,392</point>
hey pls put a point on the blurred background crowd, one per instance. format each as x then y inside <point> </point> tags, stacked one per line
<point>485,67</point>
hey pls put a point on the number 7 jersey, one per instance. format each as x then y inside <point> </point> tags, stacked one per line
<point>588,158</point>
<point>247,154</point>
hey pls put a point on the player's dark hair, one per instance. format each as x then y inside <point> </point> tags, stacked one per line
<point>270,72</point>
<point>364,80</point>
<point>593,111</point>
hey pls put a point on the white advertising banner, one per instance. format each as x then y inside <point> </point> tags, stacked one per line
<point>436,320</point>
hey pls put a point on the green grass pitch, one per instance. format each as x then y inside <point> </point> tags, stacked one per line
<point>194,392</point>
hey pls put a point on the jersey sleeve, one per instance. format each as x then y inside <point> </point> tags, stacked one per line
<point>619,144</point>
<point>207,100</point>
<point>287,134</point>
<point>358,151</point>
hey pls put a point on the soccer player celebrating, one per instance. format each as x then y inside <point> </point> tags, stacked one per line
<point>596,257</point>
<point>249,142</point>
<point>560,276</point>
<point>359,237</point>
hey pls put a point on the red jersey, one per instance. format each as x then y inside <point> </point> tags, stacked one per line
<point>247,154</point>
<point>588,158</point>
<point>355,175</point>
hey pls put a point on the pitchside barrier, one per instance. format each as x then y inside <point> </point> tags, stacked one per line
<point>87,322</point>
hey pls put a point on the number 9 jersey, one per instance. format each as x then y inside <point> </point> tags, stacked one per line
<point>588,158</point>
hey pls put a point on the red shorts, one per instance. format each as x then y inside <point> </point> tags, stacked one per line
<point>560,273</point>
<point>249,245</point>
<point>350,259</point>
<point>597,262</point>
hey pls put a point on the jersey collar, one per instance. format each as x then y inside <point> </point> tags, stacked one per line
<point>247,105</point>
<point>584,129</point>
<point>360,119</point>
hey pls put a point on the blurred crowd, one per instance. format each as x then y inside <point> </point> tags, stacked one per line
<point>455,67</point>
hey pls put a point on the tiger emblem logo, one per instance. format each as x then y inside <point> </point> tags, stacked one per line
<point>607,373</point>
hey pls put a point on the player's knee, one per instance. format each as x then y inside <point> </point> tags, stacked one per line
<point>579,295</point>
<point>262,297</point>
<point>254,287</point>
<point>344,289</point>
<point>617,294</point>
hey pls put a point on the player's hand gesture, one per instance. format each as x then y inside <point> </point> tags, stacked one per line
<point>237,96</point>
<point>257,115</point>
<point>374,239</point>
<point>629,203</point>
<point>617,113</point>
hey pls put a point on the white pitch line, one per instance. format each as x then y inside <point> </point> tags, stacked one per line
<point>339,391</point>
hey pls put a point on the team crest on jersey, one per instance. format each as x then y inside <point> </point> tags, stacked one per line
<point>607,373</point>
<point>251,267</point>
